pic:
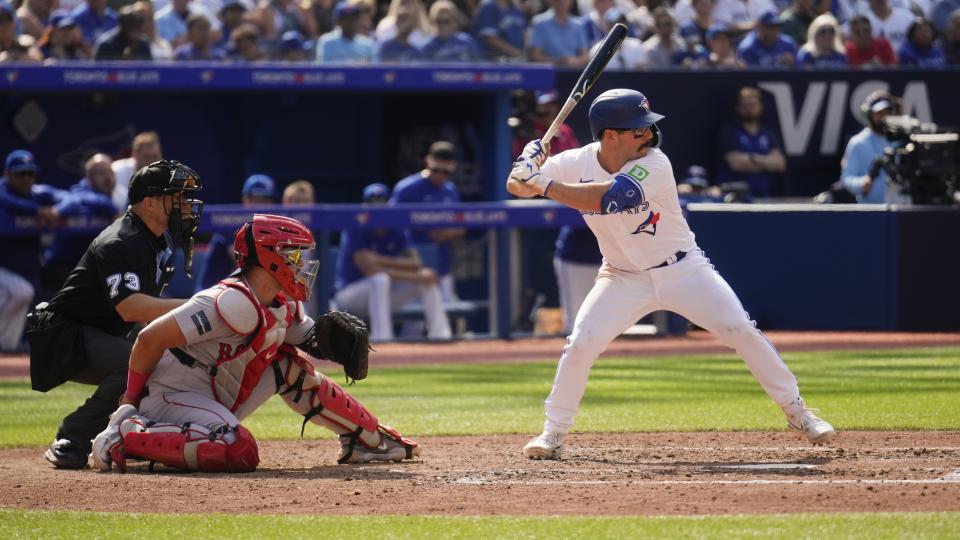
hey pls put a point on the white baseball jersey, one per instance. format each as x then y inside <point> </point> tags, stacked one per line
<point>634,239</point>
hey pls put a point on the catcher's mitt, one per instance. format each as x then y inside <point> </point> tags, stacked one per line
<point>342,338</point>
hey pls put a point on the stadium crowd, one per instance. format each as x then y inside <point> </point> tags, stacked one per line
<point>685,34</point>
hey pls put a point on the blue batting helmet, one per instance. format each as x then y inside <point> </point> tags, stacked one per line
<point>623,108</point>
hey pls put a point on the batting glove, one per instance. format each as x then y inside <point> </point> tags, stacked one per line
<point>536,153</point>
<point>526,173</point>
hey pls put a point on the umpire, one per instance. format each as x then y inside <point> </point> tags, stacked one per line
<point>85,332</point>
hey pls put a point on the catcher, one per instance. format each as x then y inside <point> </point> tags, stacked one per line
<point>198,371</point>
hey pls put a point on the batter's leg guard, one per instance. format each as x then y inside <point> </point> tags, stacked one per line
<point>325,403</point>
<point>187,446</point>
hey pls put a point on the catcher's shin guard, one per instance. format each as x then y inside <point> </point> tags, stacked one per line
<point>324,402</point>
<point>188,447</point>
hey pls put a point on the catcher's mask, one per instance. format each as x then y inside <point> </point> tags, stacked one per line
<point>276,244</point>
<point>168,177</point>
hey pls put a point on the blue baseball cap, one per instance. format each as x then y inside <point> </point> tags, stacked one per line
<point>292,40</point>
<point>7,8</point>
<point>20,161</point>
<point>715,30</point>
<point>696,176</point>
<point>770,18</point>
<point>345,8</point>
<point>376,191</point>
<point>260,185</point>
<point>232,4</point>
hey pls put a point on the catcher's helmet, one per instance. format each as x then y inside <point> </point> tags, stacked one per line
<point>623,108</point>
<point>276,244</point>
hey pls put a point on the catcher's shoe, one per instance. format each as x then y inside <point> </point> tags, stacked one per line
<point>66,454</point>
<point>392,447</point>
<point>802,420</point>
<point>108,446</point>
<point>547,445</point>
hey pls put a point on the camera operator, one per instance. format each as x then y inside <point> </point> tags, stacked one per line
<point>862,173</point>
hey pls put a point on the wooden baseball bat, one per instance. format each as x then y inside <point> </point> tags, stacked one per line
<point>589,76</point>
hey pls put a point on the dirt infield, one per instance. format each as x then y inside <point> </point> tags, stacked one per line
<point>602,474</point>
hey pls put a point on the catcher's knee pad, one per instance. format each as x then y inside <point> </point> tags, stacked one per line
<point>324,402</point>
<point>191,447</point>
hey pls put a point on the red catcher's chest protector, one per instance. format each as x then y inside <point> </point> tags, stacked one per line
<point>237,375</point>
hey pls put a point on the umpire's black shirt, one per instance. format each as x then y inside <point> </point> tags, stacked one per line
<point>126,258</point>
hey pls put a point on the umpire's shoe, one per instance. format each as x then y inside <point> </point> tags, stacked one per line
<point>547,445</point>
<point>66,454</point>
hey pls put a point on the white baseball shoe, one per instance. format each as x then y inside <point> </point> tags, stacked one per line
<point>107,443</point>
<point>547,445</point>
<point>802,419</point>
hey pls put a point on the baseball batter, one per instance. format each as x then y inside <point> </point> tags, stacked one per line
<point>623,185</point>
<point>198,371</point>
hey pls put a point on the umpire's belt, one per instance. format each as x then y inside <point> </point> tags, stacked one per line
<point>186,359</point>
<point>675,258</point>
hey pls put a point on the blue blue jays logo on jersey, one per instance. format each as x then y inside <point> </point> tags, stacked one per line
<point>649,225</point>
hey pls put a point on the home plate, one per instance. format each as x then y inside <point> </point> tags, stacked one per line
<point>764,466</point>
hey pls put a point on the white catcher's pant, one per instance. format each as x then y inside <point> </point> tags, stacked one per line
<point>16,293</point>
<point>199,406</point>
<point>574,281</point>
<point>377,296</point>
<point>691,288</point>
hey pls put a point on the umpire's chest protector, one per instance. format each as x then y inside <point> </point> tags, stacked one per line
<point>238,374</point>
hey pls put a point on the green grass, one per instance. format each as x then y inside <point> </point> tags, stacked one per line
<point>899,389</point>
<point>51,525</point>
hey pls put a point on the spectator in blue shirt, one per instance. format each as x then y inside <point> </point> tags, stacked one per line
<point>696,187</point>
<point>750,152</point>
<point>378,272</point>
<point>694,31</point>
<point>765,46</point>
<point>92,196</point>
<point>171,22</point>
<point>823,48</point>
<point>199,41</point>
<point>231,16</point>
<point>501,26</point>
<point>399,48</point>
<point>861,174</point>
<point>94,18</point>
<point>449,44</point>
<point>919,49</point>
<point>558,37</point>
<point>126,41</point>
<point>20,195</point>
<point>433,184</point>
<point>345,43</point>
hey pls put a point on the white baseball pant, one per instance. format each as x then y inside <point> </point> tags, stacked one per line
<point>574,281</point>
<point>16,294</point>
<point>691,288</point>
<point>377,296</point>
